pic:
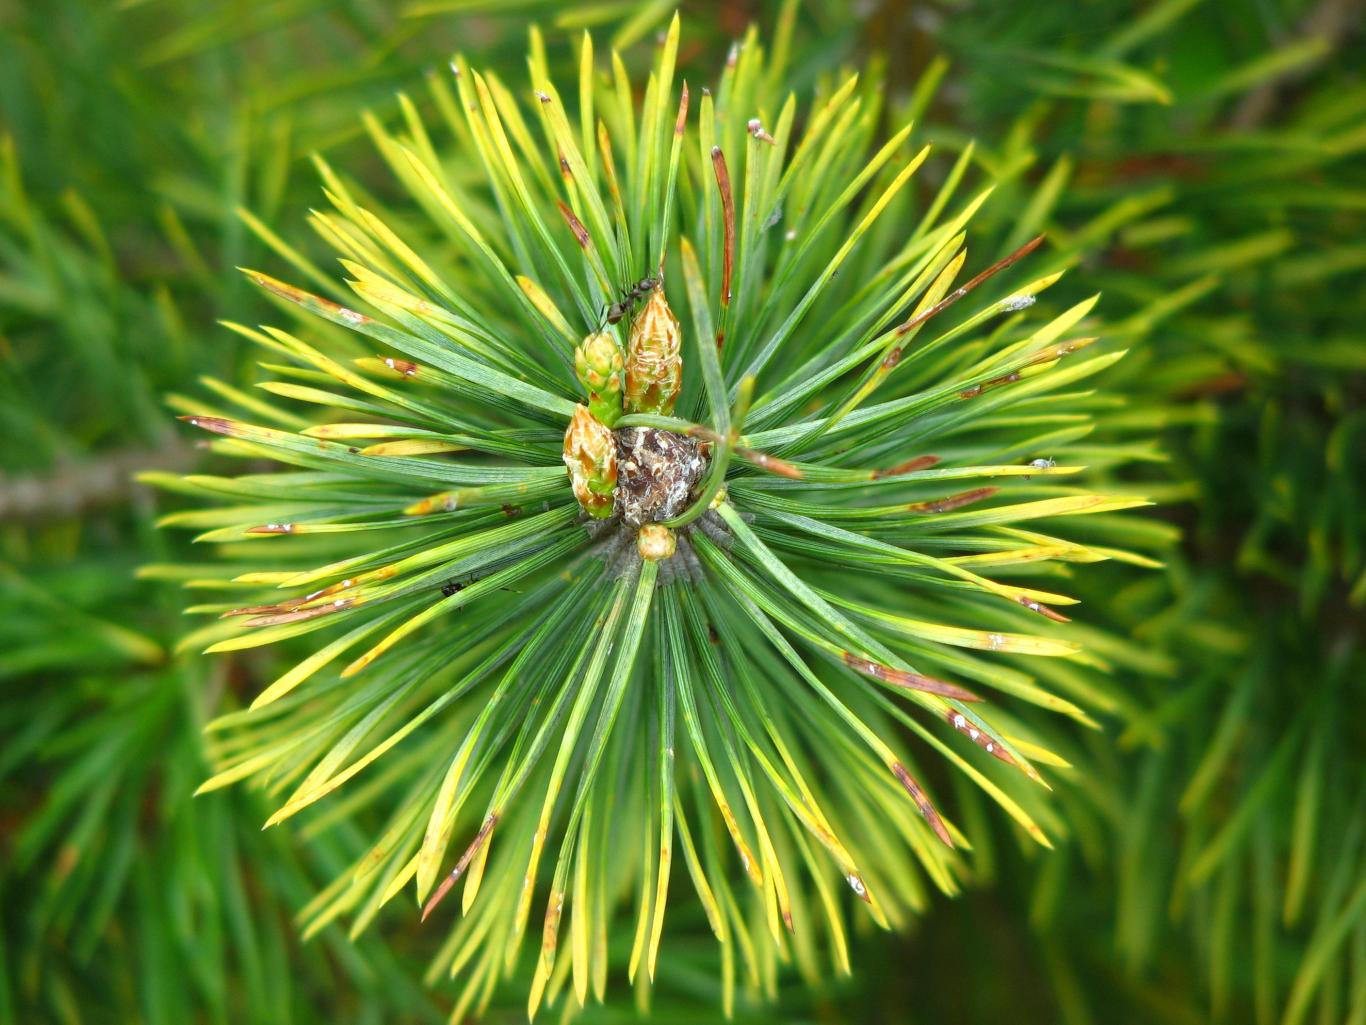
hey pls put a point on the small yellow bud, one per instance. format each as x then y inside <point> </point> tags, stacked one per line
<point>656,542</point>
<point>654,368</point>
<point>590,453</point>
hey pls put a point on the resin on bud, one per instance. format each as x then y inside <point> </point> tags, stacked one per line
<point>599,366</point>
<point>654,368</point>
<point>590,453</point>
<point>656,542</point>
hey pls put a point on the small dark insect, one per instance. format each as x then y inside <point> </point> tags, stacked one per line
<point>612,314</point>
<point>455,586</point>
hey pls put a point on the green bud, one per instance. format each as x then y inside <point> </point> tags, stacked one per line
<point>590,453</point>
<point>599,365</point>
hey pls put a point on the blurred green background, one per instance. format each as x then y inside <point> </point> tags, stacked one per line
<point>1209,159</point>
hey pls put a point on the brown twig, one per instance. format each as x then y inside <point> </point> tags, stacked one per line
<point>74,487</point>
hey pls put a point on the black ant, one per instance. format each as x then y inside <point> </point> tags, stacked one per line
<point>455,586</point>
<point>612,314</point>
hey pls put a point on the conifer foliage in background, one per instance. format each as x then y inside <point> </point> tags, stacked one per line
<point>725,654</point>
<point>114,879</point>
<point>1208,159</point>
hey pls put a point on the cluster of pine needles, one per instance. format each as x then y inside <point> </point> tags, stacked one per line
<point>833,683</point>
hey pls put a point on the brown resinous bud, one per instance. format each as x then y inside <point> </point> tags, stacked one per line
<point>590,453</point>
<point>654,368</point>
<point>599,366</point>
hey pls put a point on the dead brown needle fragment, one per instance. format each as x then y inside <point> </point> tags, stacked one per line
<point>906,679</point>
<point>480,839</point>
<point>963,290</point>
